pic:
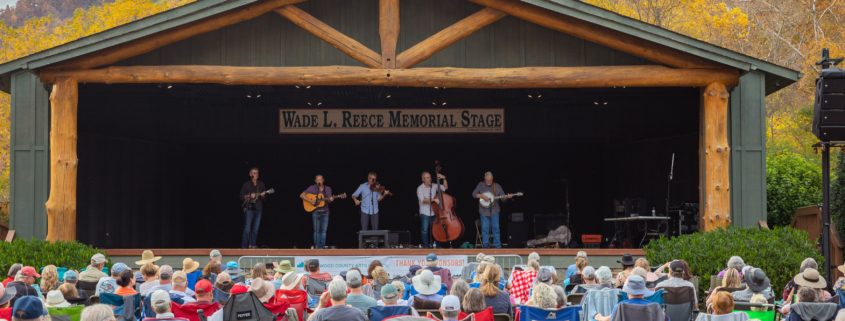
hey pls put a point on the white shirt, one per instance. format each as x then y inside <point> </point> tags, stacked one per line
<point>424,192</point>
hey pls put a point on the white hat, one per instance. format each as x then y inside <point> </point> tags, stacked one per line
<point>450,303</point>
<point>291,280</point>
<point>55,299</point>
<point>160,298</point>
<point>426,283</point>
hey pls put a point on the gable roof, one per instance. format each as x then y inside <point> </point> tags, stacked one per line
<point>777,76</point>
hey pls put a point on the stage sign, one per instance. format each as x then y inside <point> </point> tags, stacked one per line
<point>393,264</point>
<point>393,121</point>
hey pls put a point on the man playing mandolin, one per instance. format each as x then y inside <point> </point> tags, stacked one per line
<point>319,196</point>
<point>489,191</point>
<point>426,195</point>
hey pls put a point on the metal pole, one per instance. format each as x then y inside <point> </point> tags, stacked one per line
<point>826,208</point>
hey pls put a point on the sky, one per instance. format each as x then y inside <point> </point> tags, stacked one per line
<point>3,3</point>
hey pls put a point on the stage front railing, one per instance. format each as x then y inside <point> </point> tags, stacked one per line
<point>507,261</point>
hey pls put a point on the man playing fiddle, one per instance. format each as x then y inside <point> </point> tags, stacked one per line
<point>367,196</point>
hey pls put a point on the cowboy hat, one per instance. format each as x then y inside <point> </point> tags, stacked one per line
<point>291,280</point>
<point>189,265</point>
<point>284,267</point>
<point>147,257</point>
<point>426,283</point>
<point>810,278</point>
<point>627,260</point>
<point>55,299</point>
<point>757,280</point>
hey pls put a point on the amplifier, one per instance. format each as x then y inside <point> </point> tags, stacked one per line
<point>382,239</point>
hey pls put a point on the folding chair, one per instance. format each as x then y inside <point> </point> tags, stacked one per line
<point>379,313</point>
<point>126,308</point>
<point>190,311</point>
<point>768,314</point>
<point>529,313</point>
<point>679,303</point>
<point>575,298</point>
<point>71,313</point>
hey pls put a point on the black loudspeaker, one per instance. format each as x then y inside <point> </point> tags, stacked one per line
<point>829,108</point>
<point>517,234</point>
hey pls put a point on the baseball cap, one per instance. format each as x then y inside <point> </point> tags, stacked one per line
<point>313,263</point>
<point>450,303</point>
<point>180,277</point>
<point>581,254</point>
<point>98,258</point>
<point>412,270</point>
<point>488,173</point>
<point>160,298</point>
<point>589,272</point>
<point>28,307</point>
<point>233,268</point>
<point>165,272</point>
<point>353,278</point>
<point>431,257</point>
<point>544,276</point>
<point>238,289</point>
<point>71,276</point>
<point>389,292</point>
<point>29,271</point>
<point>676,266</point>
<point>203,286</point>
<point>214,254</point>
<point>118,267</point>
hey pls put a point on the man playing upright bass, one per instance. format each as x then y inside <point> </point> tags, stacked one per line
<point>426,196</point>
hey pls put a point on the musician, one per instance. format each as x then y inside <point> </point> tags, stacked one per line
<point>320,216</point>
<point>367,196</point>
<point>426,196</point>
<point>252,195</point>
<point>489,216</point>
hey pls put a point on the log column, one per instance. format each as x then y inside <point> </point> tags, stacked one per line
<point>714,157</point>
<point>61,206</point>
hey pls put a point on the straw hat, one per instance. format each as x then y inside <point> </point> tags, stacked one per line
<point>147,257</point>
<point>291,280</point>
<point>189,265</point>
<point>263,290</point>
<point>284,267</point>
<point>810,278</point>
<point>426,283</point>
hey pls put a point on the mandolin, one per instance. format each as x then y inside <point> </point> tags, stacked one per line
<point>314,201</point>
<point>487,203</point>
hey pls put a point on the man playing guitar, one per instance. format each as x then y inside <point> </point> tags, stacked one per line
<point>320,216</point>
<point>489,215</point>
<point>367,196</point>
<point>252,195</point>
<point>425,194</point>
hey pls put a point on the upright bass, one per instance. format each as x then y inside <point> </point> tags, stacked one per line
<point>447,226</point>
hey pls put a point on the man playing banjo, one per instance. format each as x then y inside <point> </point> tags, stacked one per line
<point>489,194</point>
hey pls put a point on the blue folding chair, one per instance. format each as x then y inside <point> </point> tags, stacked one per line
<point>528,313</point>
<point>657,297</point>
<point>379,313</point>
<point>126,308</point>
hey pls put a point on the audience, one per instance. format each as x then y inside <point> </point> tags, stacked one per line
<point>94,272</point>
<point>49,278</point>
<point>149,271</point>
<point>572,268</point>
<point>108,284</point>
<point>736,263</point>
<point>212,269</point>
<point>756,282</point>
<point>23,282</point>
<point>790,287</point>
<point>459,288</point>
<point>179,287</point>
<point>627,262</point>
<point>165,278</point>
<point>390,296</point>
<point>561,296</point>
<point>356,296</point>
<point>338,310</point>
<point>427,286</point>
<point>636,290</point>
<point>126,283</point>
<point>588,276</point>
<point>645,265</point>
<point>493,296</point>
<point>55,299</point>
<point>543,296</point>
<point>6,295</point>
<point>379,278</point>
<point>578,278</point>
<point>676,278</point>
<point>98,312</point>
<point>450,307</point>
<point>28,308</point>
<point>160,301</point>
<point>13,270</point>
<point>69,291</point>
<point>604,277</point>
<point>722,307</point>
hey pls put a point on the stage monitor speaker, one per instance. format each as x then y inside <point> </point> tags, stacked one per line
<point>517,234</point>
<point>383,238</point>
<point>517,217</point>
<point>543,223</point>
<point>829,108</point>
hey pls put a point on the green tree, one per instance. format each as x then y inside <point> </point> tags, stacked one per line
<point>792,181</point>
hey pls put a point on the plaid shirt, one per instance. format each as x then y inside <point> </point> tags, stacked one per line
<point>521,285</point>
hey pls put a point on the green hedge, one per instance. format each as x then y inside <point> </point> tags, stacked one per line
<point>778,252</point>
<point>39,253</point>
<point>792,181</point>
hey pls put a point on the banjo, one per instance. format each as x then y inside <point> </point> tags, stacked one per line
<point>487,203</point>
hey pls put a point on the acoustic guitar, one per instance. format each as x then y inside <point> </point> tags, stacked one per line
<point>318,200</point>
<point>487,203</point>
<point>249,201</point>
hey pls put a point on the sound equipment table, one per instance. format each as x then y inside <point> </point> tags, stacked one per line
<point>659,226</point>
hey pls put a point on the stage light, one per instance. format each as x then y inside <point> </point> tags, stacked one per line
<point>169,86</point>
<point>387,96</point>
<point>258,96</point>
<point>248,96</point>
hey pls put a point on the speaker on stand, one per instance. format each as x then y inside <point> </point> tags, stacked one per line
<point>517,230</point>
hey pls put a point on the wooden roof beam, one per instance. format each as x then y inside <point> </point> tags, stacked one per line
<point>337,39</point>
<point>526,77</point>
<point>144,45</point>
<point>446,37</point>
<point>598,34</point>
<point>388,30</point>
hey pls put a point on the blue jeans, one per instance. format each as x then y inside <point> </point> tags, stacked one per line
<point>488,222</point>
<point>252,219</point>
<point>321,224</point>
<point>425,228</point>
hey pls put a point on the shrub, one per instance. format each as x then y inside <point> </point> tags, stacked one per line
<point>778,252</point>
<point>38,253</point>
<point>837,193</point>
<point>792,181</point>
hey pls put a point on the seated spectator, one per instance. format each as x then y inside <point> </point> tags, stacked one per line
<point>224,282</point>
<point>445,274</point>
<point>69,292</point>
<point>379,278</point>
<point>637,291</point>
<point>234,271</point>
<point>756,282</point>
<point>94,272</point>
<point>810,309</point>
<point>493,296</point>
<point>55,299</point>
<point>676,278</point>
<point>338,311</point>
<point>49,278</point>
<point>536,257</point>
<point>522,281</point>
<point>572,268</point>
<point>108,284</point>
<point>356,296</point>
<point>149,271</point>
<point>160,301</point>
<point>473,302</point>
<point>28,308</point>
<point>810,278</point>
<point>736,263</point>
<point>722,307</point>
<point>126,283</point>
<point>13,270</point>
<point>545,275</point>
<point>639,271</point>
<point>97,312</point>
<point>192,274</point>
<point>211,270</point>
<point>758,299</point>
<point>390,298</point>
<point>6,295</point>
<point>265,292</point>
<point>578,278</point>
<point>71,277</point>
<point>561,296</point>
<point>317,281</point>
<point>790,286</point>
<point>427,286</point>
<point>204,293</point>
<point>412,272</point>
<point>627,262</point>
<point>459,288</point>
<point>604,277</point>
<point>730,282</point>
<point>588,276</point>
<point>23,284</point>
<point>165,280</point>
<point>450,307</point>
<point>543,296</point>
<point>179,287</point>
<point>645,265</point>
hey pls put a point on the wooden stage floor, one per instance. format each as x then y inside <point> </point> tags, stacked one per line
<point>371,252</point>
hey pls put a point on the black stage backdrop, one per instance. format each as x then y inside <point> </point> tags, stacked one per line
<point>162,167</point>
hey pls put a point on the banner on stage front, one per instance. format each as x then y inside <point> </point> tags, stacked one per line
<point>394,121</point>
<point>393,264</point>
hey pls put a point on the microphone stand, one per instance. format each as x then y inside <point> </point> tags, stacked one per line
<point>669,186</point>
